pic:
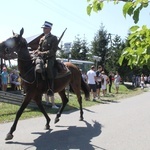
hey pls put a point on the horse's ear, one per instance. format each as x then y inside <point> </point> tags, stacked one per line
<point>13,33</point>
<point>21,32</point>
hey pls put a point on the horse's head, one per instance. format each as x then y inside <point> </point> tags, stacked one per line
<point>15,43</point>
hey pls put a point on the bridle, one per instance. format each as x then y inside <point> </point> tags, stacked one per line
<point>18,45</point>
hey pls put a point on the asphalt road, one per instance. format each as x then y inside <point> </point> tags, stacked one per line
<point>121,125</point>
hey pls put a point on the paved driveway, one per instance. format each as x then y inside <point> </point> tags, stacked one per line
<point>122,125</point>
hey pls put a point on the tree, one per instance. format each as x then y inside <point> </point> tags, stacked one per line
<point>99,46</point>
<point>115,49</point>
<point>84,50</point>
<point>138,51</point>
<point>79,49</point>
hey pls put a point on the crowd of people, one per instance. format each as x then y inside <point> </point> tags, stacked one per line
<point>10,78</point>
<point>140,80</point>
<point>98,81</point>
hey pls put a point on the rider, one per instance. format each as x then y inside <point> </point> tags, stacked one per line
<point>47,48</point>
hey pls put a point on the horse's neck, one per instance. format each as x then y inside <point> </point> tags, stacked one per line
<point>24,54</point>
<point>24,60</point>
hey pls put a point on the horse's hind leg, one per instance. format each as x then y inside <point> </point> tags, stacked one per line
<point>19,113</point>
<point>80,105</point>
<point>64,102</point>
<point>39,103</point>
<point>76,90</point>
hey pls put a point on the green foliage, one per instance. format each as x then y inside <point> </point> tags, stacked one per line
<point>108,48</point>
<point>115,51</point>
<point>95,6</point>
<point>79,49</point>
<point>99,46</point>
<point>138,51</point>
<point>133,8</point>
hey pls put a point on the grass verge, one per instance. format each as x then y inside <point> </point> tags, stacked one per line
<point>8,111</point>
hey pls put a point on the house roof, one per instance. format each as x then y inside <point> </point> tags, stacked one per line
<point>33,41</point>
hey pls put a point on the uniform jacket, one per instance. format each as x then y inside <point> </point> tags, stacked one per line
<point>49,45</point>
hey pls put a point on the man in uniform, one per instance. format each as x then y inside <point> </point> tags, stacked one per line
<point>47,48</point>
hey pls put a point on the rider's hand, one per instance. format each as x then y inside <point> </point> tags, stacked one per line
<point>39,53</point>
<point>36,51</point>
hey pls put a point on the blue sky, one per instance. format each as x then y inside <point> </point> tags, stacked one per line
<point>70,14</point>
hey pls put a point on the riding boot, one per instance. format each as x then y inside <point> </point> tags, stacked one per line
<point>50,87</point>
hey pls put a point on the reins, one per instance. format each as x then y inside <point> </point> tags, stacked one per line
<point>18,47</point>
<point>23,77</point>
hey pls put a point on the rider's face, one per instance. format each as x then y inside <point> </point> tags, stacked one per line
<point>46,30</point>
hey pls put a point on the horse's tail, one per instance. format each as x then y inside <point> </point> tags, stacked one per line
<point>85,88</point>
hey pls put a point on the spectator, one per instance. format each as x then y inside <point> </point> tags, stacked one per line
<point>91,77</point>
<point>142,81</point>
<point>145,79</point>
<point>104,82</point>
<point>84,76</point>
<point>148,79</point>
<point>14,80</point>
<point>117,81</point>
<point>110,81</point>
<point>99,79</point>
<point>4,79</point>
<point>52,101</point>
<point>137,81</point>
<point>133,81</point>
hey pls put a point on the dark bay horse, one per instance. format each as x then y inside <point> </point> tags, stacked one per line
<point>35,86</point>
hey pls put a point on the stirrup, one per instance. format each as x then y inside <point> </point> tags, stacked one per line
<point>50,92</point>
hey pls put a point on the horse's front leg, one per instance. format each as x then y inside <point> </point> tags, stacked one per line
<point>19,113</point>
<point>64,102</point>
<point>40,105</point>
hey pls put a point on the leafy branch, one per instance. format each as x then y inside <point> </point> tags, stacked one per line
<point>138,51</point>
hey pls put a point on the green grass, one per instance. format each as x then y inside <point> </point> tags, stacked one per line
<point>8,111</point>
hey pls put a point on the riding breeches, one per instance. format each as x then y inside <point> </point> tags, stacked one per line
<point>50,69</point>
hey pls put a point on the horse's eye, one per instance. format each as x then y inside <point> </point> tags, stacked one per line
<point>6,50</point>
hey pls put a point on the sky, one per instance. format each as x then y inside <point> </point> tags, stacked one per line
<point>70,14</point>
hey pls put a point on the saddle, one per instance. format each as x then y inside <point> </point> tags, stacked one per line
<point>60,69</point>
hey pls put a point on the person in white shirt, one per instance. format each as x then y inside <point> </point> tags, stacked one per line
<point>92,79</point>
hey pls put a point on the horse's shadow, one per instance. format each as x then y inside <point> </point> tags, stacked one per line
<point>72,138</point>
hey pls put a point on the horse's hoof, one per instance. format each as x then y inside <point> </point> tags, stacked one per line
<point>47,127</point>
<point>9,136</point>
<point>56,120</point>
<point>81,119</point>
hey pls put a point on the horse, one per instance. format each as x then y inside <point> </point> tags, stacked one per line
<point>35,85</point>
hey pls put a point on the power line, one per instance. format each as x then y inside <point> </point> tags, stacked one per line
<point>65,13</point>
